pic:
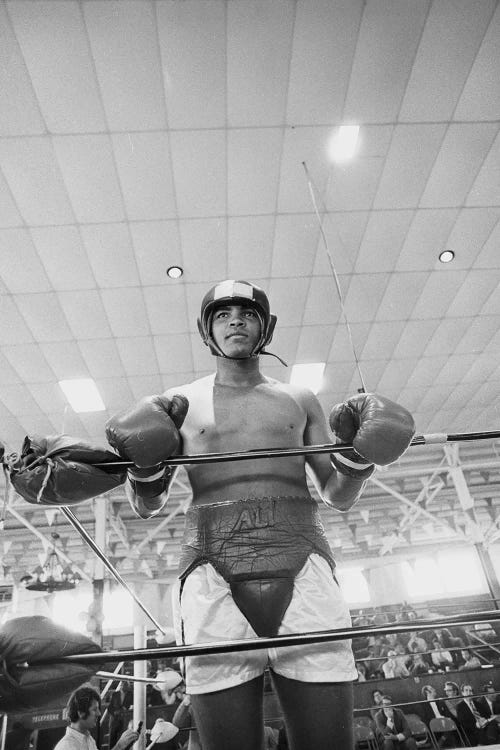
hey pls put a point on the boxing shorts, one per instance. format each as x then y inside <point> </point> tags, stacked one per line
<point>258,546</point>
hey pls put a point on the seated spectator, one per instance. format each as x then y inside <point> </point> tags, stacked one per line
<point>392,724</point>
<point>361,670</point>
<point>470,660</point>
<point>477,726</point>
<point>392,640</point>
<point>416,643</point>
<point>452,697</point>
<point>377,703</point>
<point>437,709</point>
<point>440,657</point>
<point>491,701</point>
<point>419,666</point>
<point>402,655</point>
<point>391,668</point>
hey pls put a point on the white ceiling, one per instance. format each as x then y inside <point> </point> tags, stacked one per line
<point>137,135</point>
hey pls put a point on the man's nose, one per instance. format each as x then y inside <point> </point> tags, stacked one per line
<point>236,319</point>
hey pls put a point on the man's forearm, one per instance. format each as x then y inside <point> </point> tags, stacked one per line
<point>342,492</point>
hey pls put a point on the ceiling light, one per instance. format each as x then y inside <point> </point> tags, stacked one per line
<point>174,272</point>
<point>51,576</point>
<point>343,144</point>
<point>309,375</point>
<point>446,256</point>
<point>82,395</point>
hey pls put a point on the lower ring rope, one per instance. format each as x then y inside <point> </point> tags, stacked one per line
<point>279,641</point>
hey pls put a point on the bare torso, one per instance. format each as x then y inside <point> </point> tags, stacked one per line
<point>222,418</point>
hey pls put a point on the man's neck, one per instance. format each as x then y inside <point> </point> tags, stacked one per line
<point>238,372</point>
<point>78,727</point>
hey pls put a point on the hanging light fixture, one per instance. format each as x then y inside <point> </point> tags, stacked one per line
<point>52,575</point>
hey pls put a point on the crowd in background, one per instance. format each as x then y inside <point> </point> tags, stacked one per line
<point>417,653</point>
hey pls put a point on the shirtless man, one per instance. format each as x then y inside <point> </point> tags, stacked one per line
<point>255,557</point>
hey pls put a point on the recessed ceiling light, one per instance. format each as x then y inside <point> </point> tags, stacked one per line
<point>309,375</point>
<point>174,272</point>
<point>446,256</point>
<point>343,144</point>
<point>82,395</point>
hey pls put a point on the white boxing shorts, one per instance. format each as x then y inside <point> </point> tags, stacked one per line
<point>204,611</point>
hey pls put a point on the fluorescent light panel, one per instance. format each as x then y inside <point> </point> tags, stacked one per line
<point>82,395</point>
<point>309,375</point>
<point>344,142</point>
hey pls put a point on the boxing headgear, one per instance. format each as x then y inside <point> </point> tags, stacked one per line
<point>232,292</point>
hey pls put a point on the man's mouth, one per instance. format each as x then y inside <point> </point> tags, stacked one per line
<point>237,336</point>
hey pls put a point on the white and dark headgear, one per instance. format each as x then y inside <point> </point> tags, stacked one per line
<point>232,292</point>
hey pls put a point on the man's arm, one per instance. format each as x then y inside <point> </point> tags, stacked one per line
<point>335,489</point>
<point>379,430</point>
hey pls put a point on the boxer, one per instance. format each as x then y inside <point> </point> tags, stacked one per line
<point>255,558</point>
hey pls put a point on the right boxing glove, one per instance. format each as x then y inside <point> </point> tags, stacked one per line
<point>148,433</point>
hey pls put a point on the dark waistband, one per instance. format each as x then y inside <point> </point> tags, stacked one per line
<point>254,538</point>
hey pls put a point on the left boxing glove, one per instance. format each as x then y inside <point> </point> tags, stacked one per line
<point>379,429</point>
<point>148,433</point>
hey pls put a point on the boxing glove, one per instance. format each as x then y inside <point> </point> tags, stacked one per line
<point>62,470</point>
<point>148,433</point>
<point>379,429</point>
<point>26,685</point>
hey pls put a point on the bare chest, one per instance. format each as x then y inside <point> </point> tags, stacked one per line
<point>224,418</point>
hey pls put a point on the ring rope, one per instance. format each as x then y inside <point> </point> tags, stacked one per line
<point>279,641</point>
<point>435,438</point>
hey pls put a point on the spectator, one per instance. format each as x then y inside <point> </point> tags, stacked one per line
<point>452,693</point>
<point>361,670</point>
<point>470,660</point>
<point>416,643</point>
<point>419,666</point>
<point>376,702</point>
<point>477,726</point>
<point>391,668</point>
<point>441,658</point>
<point>84,710</point>
<point>491,701</point>
<point>437,709</point>
<point>393,725</point>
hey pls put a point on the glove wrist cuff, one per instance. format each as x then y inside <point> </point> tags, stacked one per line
<point>151,478</point>
<point>356,469</point>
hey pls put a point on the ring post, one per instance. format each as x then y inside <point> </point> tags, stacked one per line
<point>140,670</point>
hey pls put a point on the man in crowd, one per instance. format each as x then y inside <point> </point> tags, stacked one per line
<point>392,724</point>
<point>471,713</point>
<point>83,710</point>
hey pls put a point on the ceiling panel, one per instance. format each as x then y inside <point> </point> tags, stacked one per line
<point>124,42</point>
<point>451,38</point>
<point>54,45</point>
<point>195,84</point>
<point>387,41</point>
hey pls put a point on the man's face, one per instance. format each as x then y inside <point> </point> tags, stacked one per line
<point>467,690</point>
<point>236,329</point>
<point>388,709</point>
<point>449,690</point>
<point>431,694</point>
<point>90,720</point>
<point>377,697</point>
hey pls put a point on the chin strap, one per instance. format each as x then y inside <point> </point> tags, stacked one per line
<point>269,354</point>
